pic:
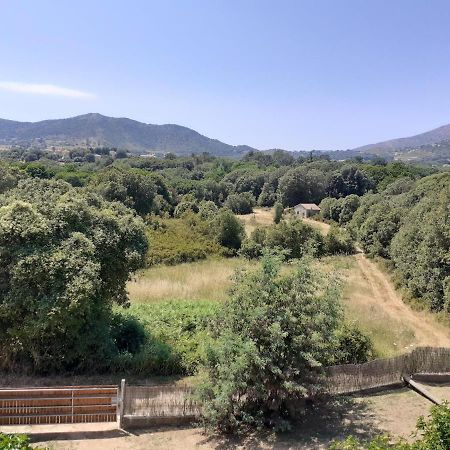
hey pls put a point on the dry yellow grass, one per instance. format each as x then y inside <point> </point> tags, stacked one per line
<point>370,300</point>
<point>260,217</point>
<point>263,217</point>
<point>202,280</point>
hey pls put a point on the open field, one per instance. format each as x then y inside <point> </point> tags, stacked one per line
<point>369,298</point>
<point>201,280</point>
<point>261,217</point>
<point>395,413</point>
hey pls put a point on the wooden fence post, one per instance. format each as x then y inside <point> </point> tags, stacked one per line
<point>121,400</point>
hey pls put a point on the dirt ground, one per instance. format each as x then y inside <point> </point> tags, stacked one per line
<point>427,331</point>
<point>394,413</point>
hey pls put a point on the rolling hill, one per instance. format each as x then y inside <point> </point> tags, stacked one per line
<point>98,130</point>
<point>424,139</point>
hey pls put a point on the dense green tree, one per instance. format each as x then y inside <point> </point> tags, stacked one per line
<point>65,257</point>
<point>330,208</point>
<point>207,209</point>
<point>301,185</point>
<point>241,203</point>
<point>132,188</point>
<point>420,250</point>
<point>228,229</point>
<point>278,212</point>
<point>349,206</point>
<point>349,180</point>
<point>188,203</point>
<point>9,177</point>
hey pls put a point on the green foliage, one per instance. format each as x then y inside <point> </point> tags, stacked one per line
<point>339,210</point>
<point>297,239</point>
<point>175,334</point>
<point>434,434</point>
<point>338,241</point>
<point>420,250</point>
<point>241,203</point>
<point>409,224</point>
<point>186,239</point>
<point>128,333</point>
<point>349,180</point>
<point>9,177</point>
<point>278,212</point>
<point>302,185</point>
<point>188,204</point>
<point>354,346</point>
<point>130,187</point>
<point>207,209</point>
<point>228,229</point>
<point>272,339</point>
<point>16,442</point>
<point>65,257</point>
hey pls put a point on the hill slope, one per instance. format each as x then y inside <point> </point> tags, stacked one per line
<point>389,147</point>
<point>99,130</point>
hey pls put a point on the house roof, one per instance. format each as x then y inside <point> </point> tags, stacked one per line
<point>312,206</point>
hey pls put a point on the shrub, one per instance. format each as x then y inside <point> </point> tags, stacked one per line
<point>241,203</point>
<point>128,333</point>
<point>188,204</point>
<point>354,346</point>
<point>186,239</point>
<point>272,339</point>
<point>228,229</point>
<point>130,187</point>
<point>278,212</point>
<point>176,332</point>
<point>16,442</point>
<point>338,241</point>
<point>296,237</point>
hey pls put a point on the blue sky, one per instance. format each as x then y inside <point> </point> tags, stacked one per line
<point>299,74</point>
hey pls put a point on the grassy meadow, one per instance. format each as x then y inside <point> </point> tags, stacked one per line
<point>201,280</point>
<point>368,297</point>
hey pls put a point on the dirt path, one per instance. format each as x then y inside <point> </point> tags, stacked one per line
<point>426,329</point>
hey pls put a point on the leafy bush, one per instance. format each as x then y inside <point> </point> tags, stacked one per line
<point>349,180</point>
<point>278,212</point>
<point>272,339</point>
<point>175,331</point>
<point>16,442</point>
<point>295,237</point>
<point>128,333</point>
<point>228,229</point>
<point>186,239</point>
<point>354,346</point>
<point>339,210</point>
<point>241,203</point>
<point>338,241</point>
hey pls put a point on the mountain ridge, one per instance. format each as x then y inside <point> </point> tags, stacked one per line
<point>430,137</point>
<point>98,130</point>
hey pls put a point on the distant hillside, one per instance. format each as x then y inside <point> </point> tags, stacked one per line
<point>97,130</point>
<point>424,139</point>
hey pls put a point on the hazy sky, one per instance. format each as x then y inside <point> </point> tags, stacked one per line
<point>290,74</point>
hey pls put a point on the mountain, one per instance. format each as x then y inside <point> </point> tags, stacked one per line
<point>392,146</point>
<point>98,130</point>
